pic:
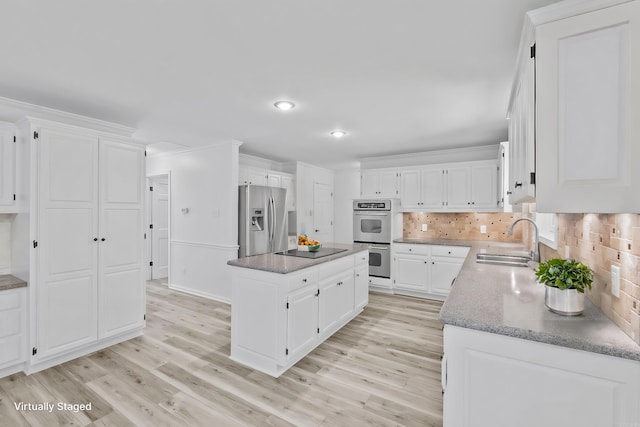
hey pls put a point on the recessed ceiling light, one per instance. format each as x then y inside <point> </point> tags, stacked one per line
<point>338,133</point>
<point>284,105</point>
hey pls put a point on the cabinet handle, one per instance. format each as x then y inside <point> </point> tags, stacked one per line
<point>304,280</point>
<point>95,239</point>
<point>449,252</point>
<point>518,184</point>
<point>103,239</point>
<point>473,203</point>
<point>468,203</point>
<point>357,275</point>
<point>410,249</point>
<point>433,263</point>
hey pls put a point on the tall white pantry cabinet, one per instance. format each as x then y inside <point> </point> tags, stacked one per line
<point>86,273</point>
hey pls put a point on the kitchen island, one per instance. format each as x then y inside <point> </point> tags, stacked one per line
<point>508,360</point>
<point>282,307</point>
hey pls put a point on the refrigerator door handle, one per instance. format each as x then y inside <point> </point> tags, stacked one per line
<point>274,222</point>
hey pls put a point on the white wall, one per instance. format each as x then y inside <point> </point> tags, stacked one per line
<point>204,181</point>
<point>346,188</point>
<point>5,244</point>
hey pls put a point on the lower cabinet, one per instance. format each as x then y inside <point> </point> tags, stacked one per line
<point>277,319</point>
<point>496,380</point>
<point>426,270</point>
<point>13,331</point>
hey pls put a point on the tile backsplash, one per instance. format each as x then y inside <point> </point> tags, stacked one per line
<point>462,226</point>
<point>600,241</point>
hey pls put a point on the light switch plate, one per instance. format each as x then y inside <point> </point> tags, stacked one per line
<point>424,227</point>
<point>615,281</point>
<point>483,229</point>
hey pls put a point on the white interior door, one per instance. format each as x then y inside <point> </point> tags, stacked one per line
<point>322,212</point>
<point>121,251</point>
<point>160,230</point>
<point>67,245</point>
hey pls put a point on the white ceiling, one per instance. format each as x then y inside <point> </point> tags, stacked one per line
<point>399,76</point>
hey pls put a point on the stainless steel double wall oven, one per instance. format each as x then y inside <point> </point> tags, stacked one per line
<point>372,225</point>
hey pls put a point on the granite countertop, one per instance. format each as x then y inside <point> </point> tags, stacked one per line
<point>509,301</point>
<point>283,264</point>
<point>7,281</point>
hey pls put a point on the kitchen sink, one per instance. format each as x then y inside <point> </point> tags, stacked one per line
<point>507,260</point>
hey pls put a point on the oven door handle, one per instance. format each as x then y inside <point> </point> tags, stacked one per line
<point>379,248</point>
<point>367,213</point>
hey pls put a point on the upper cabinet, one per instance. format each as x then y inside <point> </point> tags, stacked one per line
<point>588,105</point>
<point>7,168</point>
<point>578,93</point>
<point>259,176</point>
<point>522,162</point>
<point>457,187</point>
<point>379,183</point>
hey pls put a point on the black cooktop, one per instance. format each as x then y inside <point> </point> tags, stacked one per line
<point>322,252</point>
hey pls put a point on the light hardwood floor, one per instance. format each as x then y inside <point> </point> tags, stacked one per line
<point>382,369</point>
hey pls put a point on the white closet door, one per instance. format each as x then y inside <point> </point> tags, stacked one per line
<point>67,253</point>
<point>121,291</point>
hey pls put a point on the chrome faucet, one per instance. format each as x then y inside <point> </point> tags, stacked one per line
<point>535,253</point>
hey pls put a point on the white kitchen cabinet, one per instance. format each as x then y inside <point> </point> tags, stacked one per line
<point>422,188</point>
<point>13,331</point>
<point>446,262</point>
<point>302,319</point>
<point>588,104</point>
<point>277,319</point>
<point>361,285</point>
<point>496,380</point>
<point>377,183</point>
<point>426,270</point>
<point>88,245</point>
<point>288,183</point>
<point>7,168</point>
<point>274,179</point>
<point>453,187</point>
<point>253,175</point>
<point>522,161</point>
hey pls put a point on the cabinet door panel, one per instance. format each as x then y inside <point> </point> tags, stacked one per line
<point>484,187</point>
<point>587,107</point>
<point>410,188</point>
<point>369,184</point>
<point>329,305</point>
<point>412,272</point>
<point>302,319</point>
<point>121,302</point>
<point>347,296</point>
<point>432,188</point>
<point>459,187</point>
<point>67,244</point>
<point>66,304</point>
<point>387,184</point>
<point>67,314</point>
<point>7,168</point>
<point>443,271</point>
<point>121,291</point>
<point>361,290</point>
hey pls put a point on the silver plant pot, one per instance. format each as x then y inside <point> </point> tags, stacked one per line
<point>568,302</point>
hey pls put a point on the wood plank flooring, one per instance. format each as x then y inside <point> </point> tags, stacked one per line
<point>382,369</point>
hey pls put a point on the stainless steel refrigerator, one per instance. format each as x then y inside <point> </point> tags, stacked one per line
<point>262,220</point>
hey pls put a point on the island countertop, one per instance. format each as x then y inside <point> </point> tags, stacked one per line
<point>509,301</point>
<point>283,264</point>
<point>7,281</point>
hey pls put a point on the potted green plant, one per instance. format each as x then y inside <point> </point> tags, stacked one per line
<point>565,282</point>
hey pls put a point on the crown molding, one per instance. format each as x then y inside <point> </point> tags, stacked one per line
<point>16,110</point>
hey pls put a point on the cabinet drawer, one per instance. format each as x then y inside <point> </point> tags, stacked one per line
<point>412,249</point>
<point>450,251</point>
<point>9,300</point>
<point>336,267</point>
<point>9,323</point>
<point>362,258</point>
<point>303,278</point>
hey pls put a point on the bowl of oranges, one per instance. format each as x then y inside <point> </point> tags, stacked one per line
<point>306,244</point>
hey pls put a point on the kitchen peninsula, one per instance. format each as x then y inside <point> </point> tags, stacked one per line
<point>282,307</point>
<point>508,360</point>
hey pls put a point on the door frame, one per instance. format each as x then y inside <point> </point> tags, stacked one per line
<point>148,212</point>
